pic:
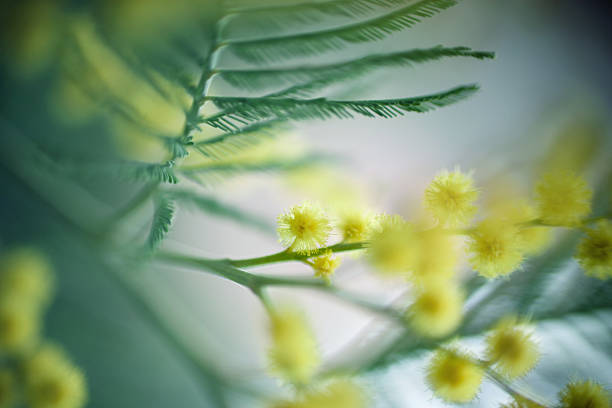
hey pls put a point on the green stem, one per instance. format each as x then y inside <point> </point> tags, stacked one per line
<point>288,255</point>
<point>503,384</point>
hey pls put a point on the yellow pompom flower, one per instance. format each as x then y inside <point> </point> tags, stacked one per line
<point>563,198</point>
<point>584,394</point>
<point>393,247</point>
<point>511,349</point>
<point>450,198</point>
<point>437,309</point>
<point>8,392</point>
<point>339,393</point>
<point>496,248</point>
<point>453,376</point>
<point>356,226</point>
<point>53,381</point>
<point>19,325</point>
<point>304,228</point>
<point>294,355</point>
<point>325,265</point>
<point>26,273</point>
<point>595,251</point>
<point>436,256</point>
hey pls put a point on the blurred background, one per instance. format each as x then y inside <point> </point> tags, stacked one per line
<point>547,94</point>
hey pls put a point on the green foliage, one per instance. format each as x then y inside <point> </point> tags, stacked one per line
<point>162,221</point>
<point>300,45</point>
<point>312,78</point>
<point>245,110</point>
<point>160,172</point>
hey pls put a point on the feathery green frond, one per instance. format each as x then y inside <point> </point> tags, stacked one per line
<point>287,15</point>
<point>229,143</point>
<point>306,44</point>
<point>162,220</point>
<point>215,207</point>
<point>247,110</point>
<point>136,171</point>
<point>313,78</point>
<point>177,146</point>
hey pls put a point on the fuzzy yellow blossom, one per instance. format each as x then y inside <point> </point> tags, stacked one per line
<point>8,392</point>
<point>595,251</point>
<point>25,273</point>
<point>294,355</point>
<point>436,256</point>
<point>563,198</point>
<point>437,309</point>
<point>393,247</point>
<point>584,394</point>
<point>496,248</point>
<point>450,198</point>
<point>511,349</point>
<point>19,325</point>
<point>356,226</point>
<point>453,376</point>
<point>53,381</point>
<point>304,228</point>
<point>339,393</point>
<point>325,265</point>
<point>519,211</point>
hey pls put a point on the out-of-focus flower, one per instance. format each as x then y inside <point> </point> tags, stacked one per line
<point>584,394</point>
<point>325,265</point>
<point>19,325</point>
<point>293,355</point>
<point>356,225</point>
<point>437,309</point>
<point>436,256</point>
<point>338,393</point>
<point>25,273</point>
<point>53,381</point>
<point>511,349</point>
<point>304,228</point>
<point>450,198</point>
<point>453,376</point>
<point>563,198</point>
<point>595,251</point>
<point>496,248</point>
<point>393,248</point>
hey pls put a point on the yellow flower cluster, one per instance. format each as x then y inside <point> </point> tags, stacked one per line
<point>563,198</point>
<point>454,376</point>
<point>294,355</point>
<point>338,393</point>
<point>325,265</point>
<point>496,248</point>
<point>595,251</point>
<point>511,349</point>
<point>450,198</point>
<point>436,310</point>
<point>49,379</point>
<point>584,394</point>
<point>304,228</point>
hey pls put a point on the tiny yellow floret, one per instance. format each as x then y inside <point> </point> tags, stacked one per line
<point>453,376</point>
<point>584,394</point>
<point>450,198</point>
<point>53,381</point>
<point>595,251</point>
<point>325,265</point>
<point>496,248</point>
<point>8,389</point>
<point>393,247</point>
<point>19,325</point>
<point>511,349</point>
<point>304,228</point>
<point>563,198</point>
<point>293,355</point>
<point>356,225</point>
<point>437,309</point>
<point>26,273</point>
<point>338,393</point>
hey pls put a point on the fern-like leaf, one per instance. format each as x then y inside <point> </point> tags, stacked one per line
<point>213,206</point>
<point>162,221</point>
<point>312,43</point>
<point>316,77</point>
<point>242,111</point>
<point>160,172</point>
<point>283,16</point>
